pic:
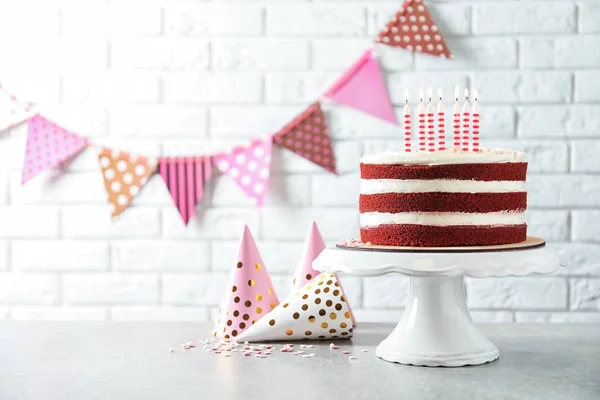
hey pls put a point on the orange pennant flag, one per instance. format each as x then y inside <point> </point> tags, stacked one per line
<point>124,175</point>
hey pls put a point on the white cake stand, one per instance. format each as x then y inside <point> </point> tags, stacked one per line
<point>436,328</point>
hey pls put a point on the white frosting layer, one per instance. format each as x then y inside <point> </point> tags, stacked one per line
<point>371,219</point>
<point>448,156</point>
<point>376,186</point>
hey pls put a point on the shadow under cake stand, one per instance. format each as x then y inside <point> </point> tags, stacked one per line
<point>436,328</point>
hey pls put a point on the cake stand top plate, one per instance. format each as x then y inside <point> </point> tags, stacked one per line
<point>531,242</point>
<point>518,259</point>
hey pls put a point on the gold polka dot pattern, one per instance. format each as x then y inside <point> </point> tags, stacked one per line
<point>308,314</point>
<point>250,295</point>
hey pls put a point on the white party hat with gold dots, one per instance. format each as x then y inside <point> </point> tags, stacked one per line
<point>317,311</point>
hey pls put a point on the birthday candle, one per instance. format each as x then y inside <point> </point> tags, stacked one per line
<point>466,122</point>
<point>441,123</point>
<point>456,121</point>
<point>406,122</point>
<point>421,123</point>
<point>430,126</point>
<point>475,121</point>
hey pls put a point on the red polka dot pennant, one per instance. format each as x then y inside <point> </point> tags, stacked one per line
<point>414,29</point>
<point>47,146</point>
<point>124,176</point>
<point>249,167</point>
<point>308,136</point>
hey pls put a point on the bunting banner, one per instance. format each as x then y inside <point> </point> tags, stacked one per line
<point>413,28</point>
<point>124,175</point>
<point>186,178</point>
<point>47,146</point>
<point>308,136</point>
<point>249,167</point>
<point>362,87</point>
<point>12,110</point>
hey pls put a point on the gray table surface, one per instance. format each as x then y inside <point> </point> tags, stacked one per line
<point>118,360</point>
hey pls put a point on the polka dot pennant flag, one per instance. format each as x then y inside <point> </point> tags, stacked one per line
<point>186,178</point>
<point>249,167</point>
<point>47,146</point>
<point>362,88</point>
<point>124,175</point>
<point>308,136</point>
<point>317,311</point>
<point>13,111</point>
<point>414,29</point>
<point>313,246</point>
<point>250,294</point>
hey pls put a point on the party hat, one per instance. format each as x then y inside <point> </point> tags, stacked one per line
<point>250,294</point>
<point>313,246</point>
<point>317,311</point>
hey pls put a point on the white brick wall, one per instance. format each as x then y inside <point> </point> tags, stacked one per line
<point>181,77</point>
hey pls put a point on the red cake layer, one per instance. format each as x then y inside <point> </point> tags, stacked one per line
<point>441,201</point>
<point>443,236</point>
<point>478,172</point>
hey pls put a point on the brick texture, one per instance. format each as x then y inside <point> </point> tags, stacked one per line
<point>191,77</point>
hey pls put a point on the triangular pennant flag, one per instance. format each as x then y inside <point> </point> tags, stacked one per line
<point>362,88</point>
<point>250,294</point>
<point>308,136</point>
<point>414,29</point>
<point>249,166</point>
<point>124,175</point>
<point>47,146</point>
<point>13,112</point>
<point>313,246</point>
<point>318,311</point>
<point>185,178</point>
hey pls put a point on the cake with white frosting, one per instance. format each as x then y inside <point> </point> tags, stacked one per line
<point>443,198</point>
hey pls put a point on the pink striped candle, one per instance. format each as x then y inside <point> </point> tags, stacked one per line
<point>475,121</point>
<point>430,125</point>
<point>456,121</point>
<point>407,133</point>
<point>421,123</point>
<point>466,120</point>
<point>441,123</point>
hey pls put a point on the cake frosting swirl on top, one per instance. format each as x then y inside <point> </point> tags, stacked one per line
<point>443,198</point>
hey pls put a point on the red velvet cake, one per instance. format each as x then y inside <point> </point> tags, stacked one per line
<point>443,198</point>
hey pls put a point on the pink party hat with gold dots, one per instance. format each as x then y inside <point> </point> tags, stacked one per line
<point>250,294</point>
<point>313,246</point>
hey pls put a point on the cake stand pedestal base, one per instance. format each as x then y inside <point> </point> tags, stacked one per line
<point>436,328</point>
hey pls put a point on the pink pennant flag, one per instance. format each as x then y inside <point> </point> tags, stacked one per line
<point>362,88</point>
<point>47,146</point>
<point>249,166</point>
<point>186,178</point>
